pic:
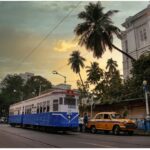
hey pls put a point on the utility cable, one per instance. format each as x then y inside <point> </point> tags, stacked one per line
<point>47,35</point>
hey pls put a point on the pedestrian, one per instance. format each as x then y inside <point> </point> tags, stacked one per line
<point>145,124</point>
<point>85,120</point>
<point>80,124</point>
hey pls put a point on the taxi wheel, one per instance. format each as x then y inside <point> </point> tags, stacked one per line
<point>93,129</point>
<point>116,130</point>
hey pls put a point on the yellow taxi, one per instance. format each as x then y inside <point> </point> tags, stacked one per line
<point>111,121</point>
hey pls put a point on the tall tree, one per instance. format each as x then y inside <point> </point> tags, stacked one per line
<point>35,85</point>
<point>98,30</point>
<point>94,73</point>
<point>111,66</point>
<point>76,62</point>
<point>12,87</point>
<point>133,87</point>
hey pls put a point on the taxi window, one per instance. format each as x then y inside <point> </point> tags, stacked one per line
<point>106,116</point>
<point>99,116</point>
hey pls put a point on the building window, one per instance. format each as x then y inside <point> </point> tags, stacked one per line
<point>143,34</point>
<point>126,46</point>
<point>55,105</point>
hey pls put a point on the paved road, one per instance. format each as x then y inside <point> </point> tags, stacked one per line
<point>24,138</point>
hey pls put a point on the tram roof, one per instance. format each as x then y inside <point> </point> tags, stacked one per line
<point>45,93</point>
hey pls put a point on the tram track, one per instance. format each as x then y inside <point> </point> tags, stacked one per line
<point>34,140</point>
<point>83,139</point>
<point>108,141</point>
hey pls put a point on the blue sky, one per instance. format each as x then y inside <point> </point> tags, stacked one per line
<point>24,24</point>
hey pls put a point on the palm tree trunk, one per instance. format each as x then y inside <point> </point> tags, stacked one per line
<point>129,56</point>
<point>82,82</point>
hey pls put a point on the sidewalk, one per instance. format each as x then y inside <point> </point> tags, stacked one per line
<point>142,132</point>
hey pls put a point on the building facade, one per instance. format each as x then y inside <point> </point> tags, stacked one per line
<point>135,38</point>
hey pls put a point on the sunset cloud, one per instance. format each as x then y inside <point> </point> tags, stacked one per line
<point>32,39</point>
<point>64,45</point>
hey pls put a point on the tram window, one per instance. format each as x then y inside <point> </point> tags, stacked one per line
<point>44,106</point>
<point>70,101</point>
<point>41,107</point>
<point>48,106</point>
<point>29,110</point>
<point>55,105</point>
<point>38,108</point>
<point>60,100</point>
<point>44,109</point>
<point>23,110</point>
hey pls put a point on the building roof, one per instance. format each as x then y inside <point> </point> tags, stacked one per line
<point>131,19</point>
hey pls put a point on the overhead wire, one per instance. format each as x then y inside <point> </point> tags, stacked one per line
<point>47,35</point>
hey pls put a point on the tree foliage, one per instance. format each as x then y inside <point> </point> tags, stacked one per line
<point>35,85</point>
<point>97,30</point>
<point>76,62</point>
<point>94,73</point>
<point>15,89</point>
<point>107,85</point>
<point>133,87</point>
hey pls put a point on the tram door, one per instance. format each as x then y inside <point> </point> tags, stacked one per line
<point>55,105</point>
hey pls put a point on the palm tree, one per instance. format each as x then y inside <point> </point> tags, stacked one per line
<point>94,73</point>
<point>76,61</point>
<point>111,65</point>
<point>98,30</point>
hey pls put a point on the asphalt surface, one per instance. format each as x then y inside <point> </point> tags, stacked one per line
<point>11,137</point>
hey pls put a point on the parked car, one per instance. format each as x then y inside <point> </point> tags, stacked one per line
<point>111,121</point>
<point>3,120</point>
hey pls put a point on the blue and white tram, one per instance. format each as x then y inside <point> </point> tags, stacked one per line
<point>57,109</point>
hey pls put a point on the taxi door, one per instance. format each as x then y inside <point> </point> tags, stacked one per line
<point>99,121</point>
<point>107,123</point>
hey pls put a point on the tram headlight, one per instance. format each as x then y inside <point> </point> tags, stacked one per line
<point>69,116</point>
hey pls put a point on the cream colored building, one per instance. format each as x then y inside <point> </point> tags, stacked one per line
<point>135,38</point>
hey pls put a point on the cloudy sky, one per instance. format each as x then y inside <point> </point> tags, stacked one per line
<point>38,36</point>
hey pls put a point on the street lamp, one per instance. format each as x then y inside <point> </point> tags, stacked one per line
<point>146,99</point>
<point>55,72</point>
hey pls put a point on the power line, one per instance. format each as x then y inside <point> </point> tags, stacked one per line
<point>47,35</point>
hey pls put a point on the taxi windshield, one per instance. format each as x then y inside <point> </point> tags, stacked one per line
<point>116,116</point>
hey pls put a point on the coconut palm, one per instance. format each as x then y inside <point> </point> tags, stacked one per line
<point>94,73</point>
<point>111,65</point>
<point>76,61</point>
<point>97,31</point>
